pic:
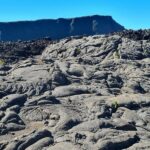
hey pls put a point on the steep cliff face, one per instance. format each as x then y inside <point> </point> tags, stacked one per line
<point>59,28</point>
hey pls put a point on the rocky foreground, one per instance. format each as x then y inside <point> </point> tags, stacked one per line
<point>80,93</point>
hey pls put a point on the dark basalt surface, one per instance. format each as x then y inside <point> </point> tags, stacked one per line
<point>78,93</point>
<point>12,52</point>
<point>135,35</point>
<point>59,28</point>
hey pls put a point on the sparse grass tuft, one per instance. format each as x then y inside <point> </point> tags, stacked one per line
<point>115,105</point>
<point>2,62</point>
<point>116,54</point>
<point>78,49</point>
<point>146,52</point>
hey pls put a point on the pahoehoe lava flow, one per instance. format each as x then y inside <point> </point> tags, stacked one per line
<point>76,93</point>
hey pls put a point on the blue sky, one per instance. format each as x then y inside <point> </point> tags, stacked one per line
<point>133,14</point>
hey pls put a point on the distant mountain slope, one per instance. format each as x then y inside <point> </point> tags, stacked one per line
<point>59,28</point>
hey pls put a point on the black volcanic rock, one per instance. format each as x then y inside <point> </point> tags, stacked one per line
<point>59,28</point>
<point>14,51</point>
<point>135,35</point>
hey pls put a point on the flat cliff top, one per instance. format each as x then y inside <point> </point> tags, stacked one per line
<point>58,28</point>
